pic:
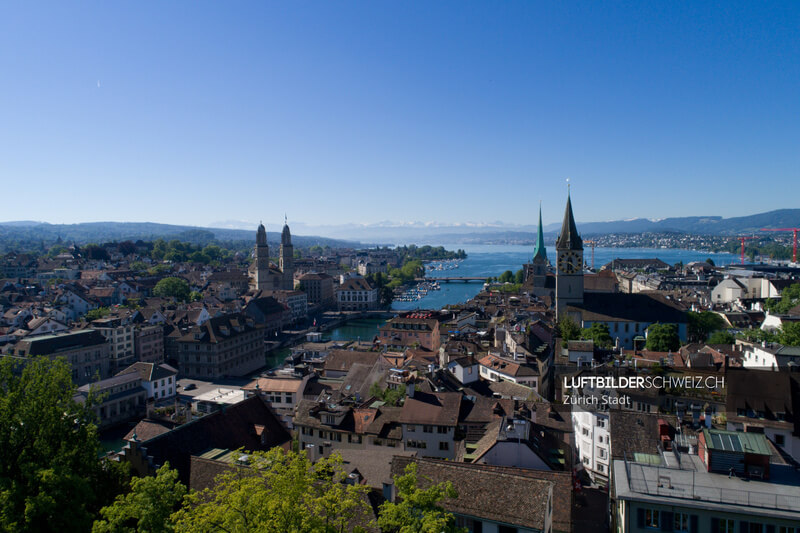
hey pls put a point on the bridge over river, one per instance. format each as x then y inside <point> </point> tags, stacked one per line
<point>454,279</point>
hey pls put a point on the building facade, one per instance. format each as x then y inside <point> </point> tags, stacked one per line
<point>229,345</point>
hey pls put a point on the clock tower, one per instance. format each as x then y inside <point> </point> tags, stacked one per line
<point>569,264</point>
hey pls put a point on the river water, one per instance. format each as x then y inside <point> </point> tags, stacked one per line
<point>485,260</point>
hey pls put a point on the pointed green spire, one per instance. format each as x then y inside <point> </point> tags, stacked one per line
<point>539,253</point>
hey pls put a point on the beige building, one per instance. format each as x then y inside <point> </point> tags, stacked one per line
<point>229,345</point>
<point>356,294</point>
<point>149,344</point>
<point>86,351</point>
<point>122,397</point>
<point>118,331</point>
<point>318,287</point>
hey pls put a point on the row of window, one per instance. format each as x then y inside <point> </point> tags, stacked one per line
<point>276,397</point>
<point>681,522</point>
<point>427,428</point>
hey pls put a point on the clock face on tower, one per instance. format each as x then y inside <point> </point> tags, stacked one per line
<point>569,263</point>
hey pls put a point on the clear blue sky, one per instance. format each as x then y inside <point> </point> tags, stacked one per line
<point>335,112</point>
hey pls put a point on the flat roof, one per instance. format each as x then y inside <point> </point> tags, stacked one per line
<point>685,482</point>
<point>220,395</point>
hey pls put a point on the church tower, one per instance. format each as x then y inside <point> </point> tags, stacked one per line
<point>287,258</point>
<point>262,279</point>
<point>538,268</point>
<point>569,264</point>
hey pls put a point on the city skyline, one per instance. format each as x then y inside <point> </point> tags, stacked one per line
<point>457,112</point>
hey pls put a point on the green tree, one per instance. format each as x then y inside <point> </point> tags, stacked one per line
<point>390,396</point>
<point>94,251</point>
<point>159,249</point>
<point>138,266</point>
<point>721,337</point>
<point>278,491</point>
<point>417,510</point>
<point>506,277</point>
<point>199,257</point>
<point>759,335</point>
<point>663,338</point>
<point>790,334</point>
<point>790,297</point>
<point>56,250</point>
<point>519,276</point>
<point>126,248</point>
<point>710,262</point>
<point>172,287</point>
<point>599,334</point>
<point>568,328</point>
<point>94,314</point>
<point>50,476</point>
<point>147,507</point>
<point>215,252</point>
<point>702,324</point>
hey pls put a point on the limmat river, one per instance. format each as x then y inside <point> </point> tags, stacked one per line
<point>485,260</point>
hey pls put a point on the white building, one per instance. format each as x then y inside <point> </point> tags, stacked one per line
<point>356,294</point>
<point>493,367</point>
<point>771,356</point>
<point>465,369</point>
<point>592,440</point>
<point>160,381</point>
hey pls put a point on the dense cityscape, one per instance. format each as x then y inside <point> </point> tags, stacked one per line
<point>399,267</point>
<point>183,366</point>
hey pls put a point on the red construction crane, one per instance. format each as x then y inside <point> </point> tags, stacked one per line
<point>744,239</point>
<point>794,240</point>
<point>592,244</point>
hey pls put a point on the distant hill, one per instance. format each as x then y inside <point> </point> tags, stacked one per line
<point>349,235</point>
<point>699,225</point>
<point>99,232</point>
<point>710,225</point>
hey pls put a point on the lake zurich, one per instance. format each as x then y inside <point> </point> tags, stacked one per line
<point>485,260</point>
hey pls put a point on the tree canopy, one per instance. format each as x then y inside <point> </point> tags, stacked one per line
<point>506,277</point>
<point>663,338</point>
<point>147,507</point>
<point>50,476</point>
<point>568,328</point>
<point>721,337</point>
<point>790,297</point>
<point>172,287</point>
<point>790,334</point>
<point>416,509</point>
<point>702,324</point>
<point>599,334</point>
<point>278,492</point>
